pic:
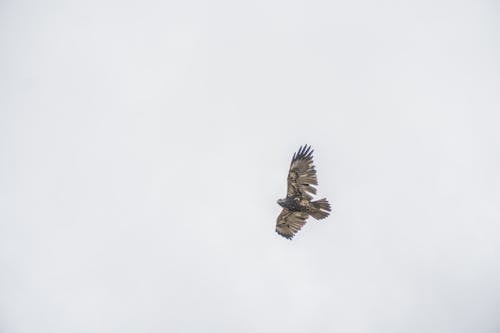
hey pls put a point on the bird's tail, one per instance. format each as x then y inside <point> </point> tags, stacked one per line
<point>320,209</point>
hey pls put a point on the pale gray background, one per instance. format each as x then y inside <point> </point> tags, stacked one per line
<point>143,147</point>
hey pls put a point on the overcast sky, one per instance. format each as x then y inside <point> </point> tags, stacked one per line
<point>143,146</point>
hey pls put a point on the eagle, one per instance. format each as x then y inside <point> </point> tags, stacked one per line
<point>298,204</point>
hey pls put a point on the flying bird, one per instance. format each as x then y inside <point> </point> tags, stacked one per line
<point>298,204</point>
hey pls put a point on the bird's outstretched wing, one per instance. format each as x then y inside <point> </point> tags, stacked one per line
<point>289,223</point>
<point>302,175</point>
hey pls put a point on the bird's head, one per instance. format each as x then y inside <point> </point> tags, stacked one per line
<point>281,202</point>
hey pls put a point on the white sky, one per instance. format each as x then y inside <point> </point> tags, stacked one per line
<point>143,147</point>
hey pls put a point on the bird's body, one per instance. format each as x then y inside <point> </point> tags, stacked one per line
<point>293,203</point>
<point>298,204</point>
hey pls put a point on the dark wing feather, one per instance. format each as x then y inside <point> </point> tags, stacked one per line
<point>302,175</point>
<point>289,223</point>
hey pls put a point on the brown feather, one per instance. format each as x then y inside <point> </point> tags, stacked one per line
<point>289,223</point>
<point>320,209</point>
<point>302,174</point>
